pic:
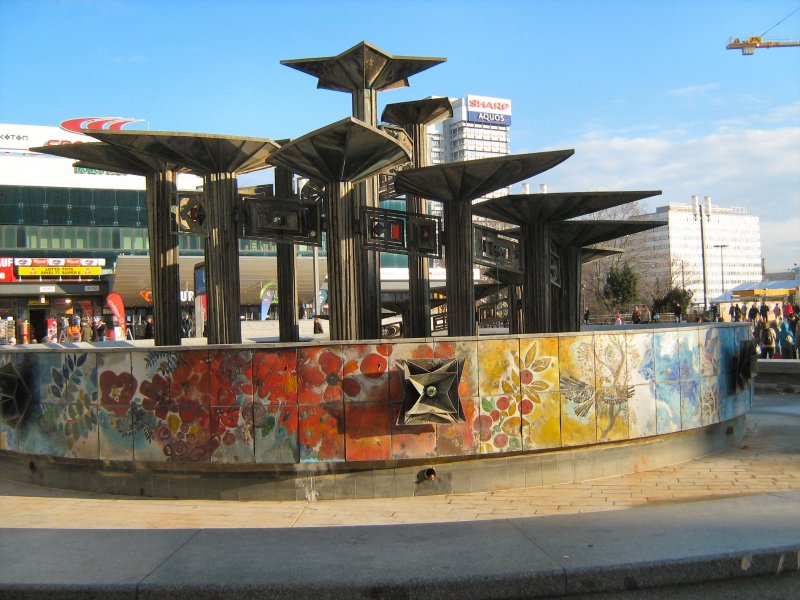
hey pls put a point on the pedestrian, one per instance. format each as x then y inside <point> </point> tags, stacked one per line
<point>317,325</point>
<point>618,320</point>
<point>786,340</point>
<point>101,330</point>
<point>636,316</point>
<point>767,339</point>
<point>677,312</point>
<point>586,316</point>
<point>646,316</point>
<point>752,314</point>
<point>148,328</point>
<point>776,310</point>
<point>186,325</point>
<point>86,331</point>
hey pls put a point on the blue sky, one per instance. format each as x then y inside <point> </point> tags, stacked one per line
<point>644,91</point>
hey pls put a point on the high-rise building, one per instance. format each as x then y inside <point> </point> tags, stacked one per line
<point>728,239</point>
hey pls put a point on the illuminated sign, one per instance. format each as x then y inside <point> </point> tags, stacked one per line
<point>7,270</point>
<point>492,111</point>
<point>59,262</point>
<point>58,271</point>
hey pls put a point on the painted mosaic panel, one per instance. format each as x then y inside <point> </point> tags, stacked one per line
<point>710,352</point>
<point>667,356</point>
<point>691,415</point>
<point>468,350</point>
<point>172,433</point>
<point>117,388</point>
<point>365,372</point>
<point>612,413</point>
<point>688,353</point>
<point>640,358</point>
<point>321,432</point>
<point>412,441</point>
<point>609,360</point>
<point>232,439</point>
<point>275,428</point>
<point>576,381</point>
<point>642,411</point>
<point>538,366</point>
<point>728,347</point>
<point>368,433</point>
<point>498,367</point>
<point>275,376</point>
<point>668,407</point>
<point>319,374</point>
<point>541,420</point>
<point>61,429</point>
<point>500,424</point>
<point>230,377</point>
<point>456,439</point>
<point>709,400</point>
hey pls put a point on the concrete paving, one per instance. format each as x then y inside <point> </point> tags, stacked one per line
<point>726,525</point>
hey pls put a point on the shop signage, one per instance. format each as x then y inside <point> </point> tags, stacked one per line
<point>493,111</point>
<point>7,270</point>
<point>59,271</point>
<point>59,262</point>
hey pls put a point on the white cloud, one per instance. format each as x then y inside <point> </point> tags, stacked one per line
<point>693,91</point>
<point>758,169</point>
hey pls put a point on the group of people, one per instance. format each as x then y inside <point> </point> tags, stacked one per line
<point>774,330</point>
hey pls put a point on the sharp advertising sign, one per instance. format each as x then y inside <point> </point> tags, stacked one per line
<point>492,111</point>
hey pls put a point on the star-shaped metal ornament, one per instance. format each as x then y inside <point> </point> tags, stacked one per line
<point>431,391</point>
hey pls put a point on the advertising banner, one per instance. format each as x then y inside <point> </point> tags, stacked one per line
<point>115,303</point>
<point>492,111</point>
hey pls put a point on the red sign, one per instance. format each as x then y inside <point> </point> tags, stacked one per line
<point>7,270</point>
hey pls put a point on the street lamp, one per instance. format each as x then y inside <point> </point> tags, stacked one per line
<point>695,206</point>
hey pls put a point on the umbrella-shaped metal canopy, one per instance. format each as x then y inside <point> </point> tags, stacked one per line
<point>471,179</point>
<point>529,208</point>
<point>426,111</point>
<point>200,153</point>
<point>363,66</point>
<point>348,150</point>
<point>589,232</point>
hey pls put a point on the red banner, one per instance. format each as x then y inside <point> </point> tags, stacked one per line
<point>114,302</point>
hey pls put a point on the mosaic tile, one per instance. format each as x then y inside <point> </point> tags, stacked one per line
<point>640,358</point>
<point>457,439</point>
<point>498,367</point>
<point>688,353</point>
<point>365,372</point>
<point>538,366</point>
<point>274,376</point>
<point>232,434</point>
<point>168,432</point>
<point>230,377</point>
<point>60,429</point>
<point>642,411</point>
<point>709,400</point>
<point>411,441</point>
<point>578,416</point>
<point>609,360</point>
<point>368,431</point>
<point>500,424</point>
<point>666,351</point>
<point>709,352</point>
<point>9,437</point>
<point>728,347</point>
<point>541,420</point>
<point>321,432</point>
<point>115,430</point>
<point>40,434</point>
<point>691,415</point>
<point>319,374</point>
<point>468,351</point>
<point>612,413</point>
<point>668,407</point>
<point>275,429</point>
<point>576,360</point>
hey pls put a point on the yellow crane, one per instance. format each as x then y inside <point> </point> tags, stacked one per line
<point>748,45</point>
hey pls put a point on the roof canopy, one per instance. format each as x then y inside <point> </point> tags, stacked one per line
<point>418,112</point>
<point>589,232</point>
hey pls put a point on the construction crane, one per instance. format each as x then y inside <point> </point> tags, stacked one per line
<point>748,45</point>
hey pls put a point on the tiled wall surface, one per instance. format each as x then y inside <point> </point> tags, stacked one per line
<point>339,402</point>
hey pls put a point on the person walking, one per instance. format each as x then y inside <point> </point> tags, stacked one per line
<point>317,325</point>
<point>676,309</point>
<point>767,340</point>
<point>148,329</point>
<point>87,333</point>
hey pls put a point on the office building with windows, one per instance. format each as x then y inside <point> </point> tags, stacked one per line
<point>727,239</point>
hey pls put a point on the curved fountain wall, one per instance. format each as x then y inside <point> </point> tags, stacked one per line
<point>294,409</point>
